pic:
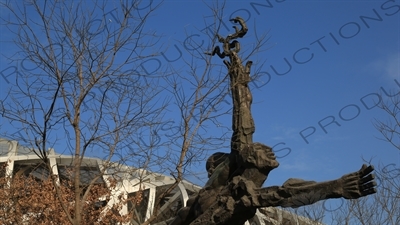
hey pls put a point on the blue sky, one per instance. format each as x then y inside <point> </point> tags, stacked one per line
<point>353,57</point>
<point>340,61</point>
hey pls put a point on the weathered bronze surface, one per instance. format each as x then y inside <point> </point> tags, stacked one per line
<point>234,189</point>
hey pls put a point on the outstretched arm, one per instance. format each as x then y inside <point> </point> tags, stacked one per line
<point>295,193</point>
<point>357,184</point>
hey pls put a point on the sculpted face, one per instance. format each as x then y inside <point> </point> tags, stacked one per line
<point>266,155</point>
<point>271,156</point>
<point>262,157</point>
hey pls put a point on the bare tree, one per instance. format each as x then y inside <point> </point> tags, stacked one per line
<point>383,207</point>
<point>84,94</point>
<point>88,94</point>
<point>390,127</point>
<point>315,212</point>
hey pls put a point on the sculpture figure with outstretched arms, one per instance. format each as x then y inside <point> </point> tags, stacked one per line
<point>234,189</point>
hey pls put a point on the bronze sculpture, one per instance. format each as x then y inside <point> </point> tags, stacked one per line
<point>234,189</point>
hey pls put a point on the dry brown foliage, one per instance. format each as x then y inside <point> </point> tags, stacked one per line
<point>29,200</point>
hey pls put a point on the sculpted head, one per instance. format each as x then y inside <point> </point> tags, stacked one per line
<point>263,157</point>
<point>260,156</point>
<point>214,160</point>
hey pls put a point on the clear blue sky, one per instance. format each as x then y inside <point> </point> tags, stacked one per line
<point>339,61</point>
<point>350,57</point>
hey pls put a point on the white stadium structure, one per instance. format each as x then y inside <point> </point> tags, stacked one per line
<point>21,159</point>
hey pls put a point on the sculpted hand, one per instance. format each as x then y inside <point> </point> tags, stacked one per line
<point>358,184</point>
